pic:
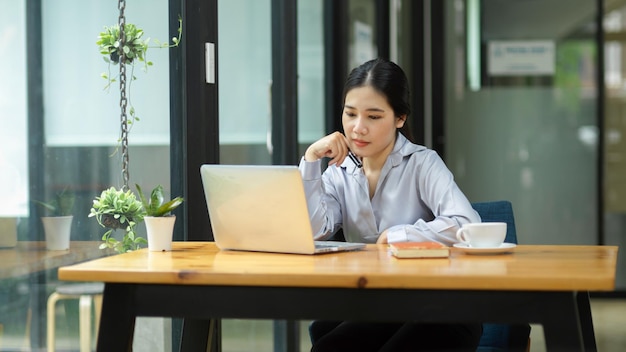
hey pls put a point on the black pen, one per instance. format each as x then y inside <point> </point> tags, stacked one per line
<point>355,160</point>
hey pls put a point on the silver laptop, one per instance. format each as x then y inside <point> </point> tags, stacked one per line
<point>262,208</point>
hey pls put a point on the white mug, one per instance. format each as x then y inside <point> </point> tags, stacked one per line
<point>482,235</point>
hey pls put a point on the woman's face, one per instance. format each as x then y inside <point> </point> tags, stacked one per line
<point>369,122</point>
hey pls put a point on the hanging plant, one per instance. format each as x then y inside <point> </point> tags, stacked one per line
<point>134,49</point>
<point>118,209</point>
<point>110,45</point>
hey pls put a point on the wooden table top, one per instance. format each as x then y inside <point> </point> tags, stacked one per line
<point>31,256</point>
<point>530,267</point>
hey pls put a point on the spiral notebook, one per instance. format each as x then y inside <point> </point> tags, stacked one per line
<point>262,208</point>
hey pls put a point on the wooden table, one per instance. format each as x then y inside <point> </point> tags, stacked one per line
<point>31,260</point>
<point>547,285</point>
<point>31,257</point>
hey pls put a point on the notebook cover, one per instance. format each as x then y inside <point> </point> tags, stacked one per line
<point>419,250</point>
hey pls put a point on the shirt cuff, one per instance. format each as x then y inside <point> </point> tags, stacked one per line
<point>310,170</point>
<point>397,234</point>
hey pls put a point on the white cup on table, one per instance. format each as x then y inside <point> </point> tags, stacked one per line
<point>482,235</point>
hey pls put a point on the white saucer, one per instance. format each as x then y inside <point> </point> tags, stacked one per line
<point>503,248</point>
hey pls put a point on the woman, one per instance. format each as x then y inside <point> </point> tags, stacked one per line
<point>379,187</point>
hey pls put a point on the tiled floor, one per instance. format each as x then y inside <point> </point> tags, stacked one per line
<point>609,320</point>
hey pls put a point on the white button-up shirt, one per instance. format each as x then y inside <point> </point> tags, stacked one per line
<point>416,198</point>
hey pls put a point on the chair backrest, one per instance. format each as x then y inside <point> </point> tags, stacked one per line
<point>498,211</point>
<point>502,337</point>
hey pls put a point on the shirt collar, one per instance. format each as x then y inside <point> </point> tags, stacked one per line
<point>349,165</point>
<point>403,147</point>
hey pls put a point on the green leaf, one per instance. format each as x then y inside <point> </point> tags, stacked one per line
<point>46,205</point>
<point>155,205</point>
<point>169,206</point>
<point>61,204</point>
<point>156,197</point>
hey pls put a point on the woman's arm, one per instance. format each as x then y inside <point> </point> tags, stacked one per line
<point>324,208</point>
<point>449,206</point>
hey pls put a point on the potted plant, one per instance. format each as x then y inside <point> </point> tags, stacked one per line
<point>57,223</point>
<point>135,49</point>
<point>159,219</point>
<point>118,209</point>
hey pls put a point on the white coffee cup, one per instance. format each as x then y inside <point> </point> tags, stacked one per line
<point>482,235</point>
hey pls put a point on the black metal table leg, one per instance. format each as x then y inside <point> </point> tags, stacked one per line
<point>117,322</point>
<point>586,320</point>
<point>200,335</point>
<point>563,325</point>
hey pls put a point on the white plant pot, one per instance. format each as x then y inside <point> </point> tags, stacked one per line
<point>8,232</point>
<point>57,231</point>
<point>160,232</point>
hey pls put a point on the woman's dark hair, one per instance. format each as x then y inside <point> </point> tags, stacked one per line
<point>388,79</point>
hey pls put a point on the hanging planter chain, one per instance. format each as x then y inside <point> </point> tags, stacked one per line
<point>123,100</point>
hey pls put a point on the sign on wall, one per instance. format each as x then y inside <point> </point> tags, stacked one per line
<point>521,58</point>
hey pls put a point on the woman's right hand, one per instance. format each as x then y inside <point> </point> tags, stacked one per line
<point>333,146</point>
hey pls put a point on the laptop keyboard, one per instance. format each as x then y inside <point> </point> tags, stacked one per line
<point>319,244</point>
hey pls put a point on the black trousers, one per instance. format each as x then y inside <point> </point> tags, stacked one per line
<point>346,336</point>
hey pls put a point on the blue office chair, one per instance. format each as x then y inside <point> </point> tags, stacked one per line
<point>498,211</point>
<point>502,337</point>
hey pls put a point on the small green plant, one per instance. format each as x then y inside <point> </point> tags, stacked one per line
<point>61,205</point>
<point>116,209</point>
<point>156,205</point>
<point>135,49</point>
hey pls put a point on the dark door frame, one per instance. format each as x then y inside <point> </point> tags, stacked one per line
<point>194,124</point>
<point>284,82</point>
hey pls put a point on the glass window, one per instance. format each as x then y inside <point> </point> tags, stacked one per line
<point>361,32</point>
<point>13,152</point>
<point>525,128</point>
<point>245,73</point>
<point>310,72</point>
<point>245,82</point>
<point>614,183</point>
<point>60,133</point>
<point>87,114</point>
<point>81,117</point>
